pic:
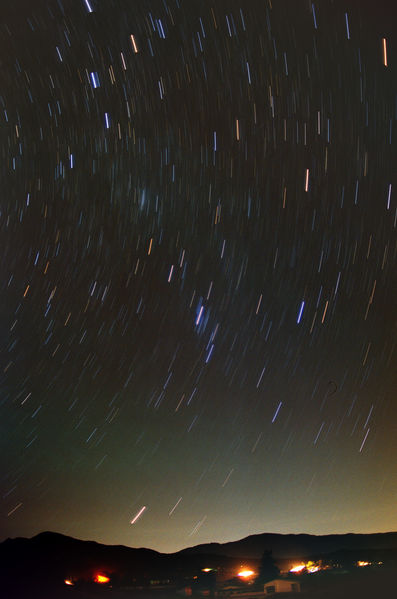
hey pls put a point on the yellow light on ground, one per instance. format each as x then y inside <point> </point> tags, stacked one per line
<point>207,569</point>
<point>246,573</point>
<point>361,564</point>
<point>68,582</point>
<point>101,578</point>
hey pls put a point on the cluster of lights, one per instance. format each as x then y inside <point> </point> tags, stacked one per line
<point>98,578</point>
<point>310,567</point>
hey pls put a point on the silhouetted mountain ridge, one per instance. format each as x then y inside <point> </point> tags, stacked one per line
<point>48,558</point>
<point>295,545</point>
<point>55,538</point>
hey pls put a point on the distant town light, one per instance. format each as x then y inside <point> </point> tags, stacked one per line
<point>245,573</point>
<point>312,569</point>
<point>361,564</point>
<point>298,568</point>
<point>68,582</point>
<point>101,578</point>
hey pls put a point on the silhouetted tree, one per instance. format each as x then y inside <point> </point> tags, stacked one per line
<point>267,569</point>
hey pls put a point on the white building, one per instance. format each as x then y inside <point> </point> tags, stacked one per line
<point>282,585</point>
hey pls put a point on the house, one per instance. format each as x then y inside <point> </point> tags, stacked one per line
<point>282,585</point>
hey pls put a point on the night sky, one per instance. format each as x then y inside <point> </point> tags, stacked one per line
<point>198,277</point>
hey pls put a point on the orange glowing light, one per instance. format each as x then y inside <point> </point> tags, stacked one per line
<point>69,582</point>
<point>361,564</point>
<point>298,568</point>
<point>101,578</point>
<point>245,573</point>
<point>312,569</point>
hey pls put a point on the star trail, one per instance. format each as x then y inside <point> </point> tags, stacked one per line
<point>198,276</point>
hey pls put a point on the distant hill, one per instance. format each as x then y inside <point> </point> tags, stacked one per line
<point>38,566</point>
<point>292,546</point>
<point>52,557</point>
<point>44,561</point>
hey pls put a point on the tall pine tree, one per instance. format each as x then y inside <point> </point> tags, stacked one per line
<point>267,569</point>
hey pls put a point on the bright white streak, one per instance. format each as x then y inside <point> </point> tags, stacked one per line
<point>135,47</point>
<point>88,5</point>
<point>277,411</point>
<point>300,312</point>
<point>384,52</point>
<point>138,515</point>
